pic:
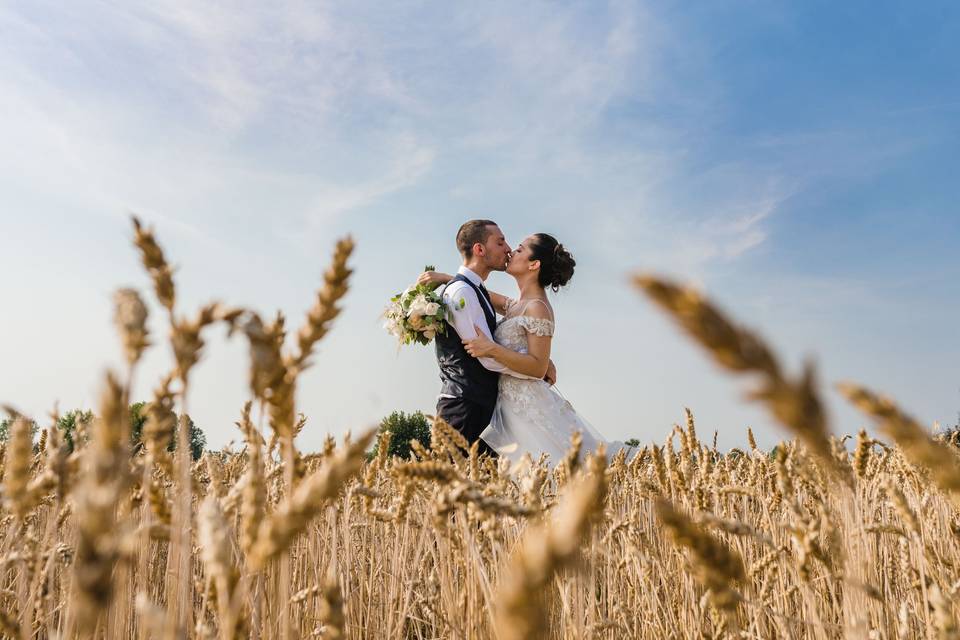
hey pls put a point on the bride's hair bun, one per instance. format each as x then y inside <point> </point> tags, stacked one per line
<point>556,263</point>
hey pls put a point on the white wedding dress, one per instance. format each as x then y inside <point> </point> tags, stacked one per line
<point>530,416</point>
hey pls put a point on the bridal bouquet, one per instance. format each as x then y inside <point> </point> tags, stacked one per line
<point>416,315</point>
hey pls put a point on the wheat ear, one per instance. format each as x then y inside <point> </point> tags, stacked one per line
<point>794,402</point>
<point>937,458</point>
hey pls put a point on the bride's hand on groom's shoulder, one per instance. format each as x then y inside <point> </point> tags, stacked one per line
<point>434,277</point>
<point>480,346</point>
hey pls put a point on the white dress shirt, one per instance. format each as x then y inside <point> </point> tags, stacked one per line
<point>465,313</point>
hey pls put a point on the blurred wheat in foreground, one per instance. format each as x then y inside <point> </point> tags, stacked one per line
<point>671,540</point>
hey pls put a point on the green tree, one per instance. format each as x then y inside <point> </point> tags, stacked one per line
<point>405,427</point>
<point>198,440</point>
<point>5,425</point>
<point>68,422</point>
<point>138,416</point>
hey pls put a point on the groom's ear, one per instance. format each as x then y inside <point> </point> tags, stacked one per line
<point>479,249</point>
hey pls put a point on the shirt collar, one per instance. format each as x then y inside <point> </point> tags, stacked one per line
<point>470,275</point>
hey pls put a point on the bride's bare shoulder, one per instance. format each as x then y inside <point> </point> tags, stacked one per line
<point>537,308</point>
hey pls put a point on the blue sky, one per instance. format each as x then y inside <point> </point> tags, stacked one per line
<point>796,160</point>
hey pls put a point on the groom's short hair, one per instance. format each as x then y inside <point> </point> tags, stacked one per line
<point>472,232</point>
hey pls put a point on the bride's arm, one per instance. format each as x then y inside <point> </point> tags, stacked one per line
<point>499,301</point>
<point>534,363</point>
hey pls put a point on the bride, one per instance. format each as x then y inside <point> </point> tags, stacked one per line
<point>530,416</point>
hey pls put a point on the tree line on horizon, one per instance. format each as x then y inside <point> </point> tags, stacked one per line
<point>72,425</point>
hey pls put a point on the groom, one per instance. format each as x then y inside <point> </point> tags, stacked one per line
<point>468,394</point>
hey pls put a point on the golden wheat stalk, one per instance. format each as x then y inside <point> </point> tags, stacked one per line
<point>267,369</point>
<point>156,264</point>
<point>325,309</point>
<point>429,470</point>
<point>545,550</point>
<point>253,495</point>
<point>16,473</point>
<point>130,318</point>
<point>292,516</point>
<point>794,403</point>
<point>937,458</point>
<point>102,485</point>
<point>186,339</point>
<point>861,454</point>
<point>330,611</point>
<point>718,567</point>
<point>216,552</point>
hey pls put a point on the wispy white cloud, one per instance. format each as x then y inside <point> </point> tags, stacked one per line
<point>407,163</point>
<point>687,222</point>
<point>158,107</point>
<point>199,99</point>
<point>545,76</point>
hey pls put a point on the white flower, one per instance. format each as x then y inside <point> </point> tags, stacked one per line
<point>418,307</point>
<point>432,308</point>
<point>393,327</point>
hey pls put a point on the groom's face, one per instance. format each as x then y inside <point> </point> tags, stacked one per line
<point>496,251</point>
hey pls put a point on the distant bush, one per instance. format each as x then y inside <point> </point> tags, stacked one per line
<point>405,427</point>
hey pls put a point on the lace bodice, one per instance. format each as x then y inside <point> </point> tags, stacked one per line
<point>512,333</point>
<point>513,329</point>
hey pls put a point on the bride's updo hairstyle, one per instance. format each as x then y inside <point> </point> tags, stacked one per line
<point>556,263</point>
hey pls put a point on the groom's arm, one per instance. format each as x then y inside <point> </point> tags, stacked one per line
<point>466,316</point>
<point>499,301</point>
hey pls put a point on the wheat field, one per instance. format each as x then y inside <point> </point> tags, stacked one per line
<point>675,539</point>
